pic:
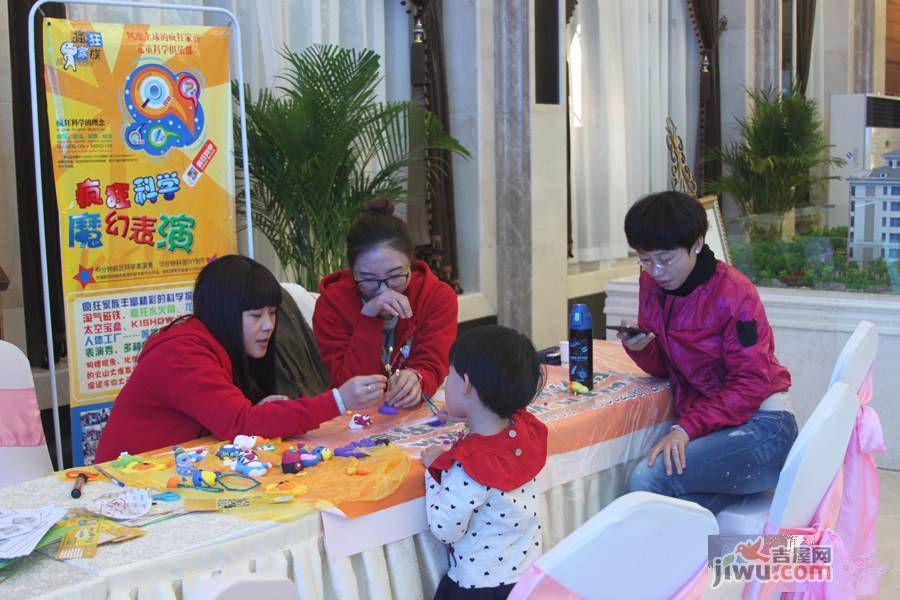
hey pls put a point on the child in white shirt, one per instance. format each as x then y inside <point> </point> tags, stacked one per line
<point>482,494</point>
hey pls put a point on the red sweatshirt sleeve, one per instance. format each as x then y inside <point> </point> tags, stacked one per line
<point>201,388</point>
<point>435,333</point>
<point>347,348</point>
<point>746,379</point>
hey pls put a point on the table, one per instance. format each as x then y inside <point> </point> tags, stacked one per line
<point>366,550</point>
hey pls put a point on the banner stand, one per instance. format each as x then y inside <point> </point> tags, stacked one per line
<point>35,132</point>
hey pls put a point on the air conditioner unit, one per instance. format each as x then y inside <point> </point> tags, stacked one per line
<point>863,128</point>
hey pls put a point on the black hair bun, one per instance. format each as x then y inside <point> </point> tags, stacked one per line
<point>382,206</point>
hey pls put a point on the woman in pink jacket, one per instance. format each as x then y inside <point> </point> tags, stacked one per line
<point>706,331</point>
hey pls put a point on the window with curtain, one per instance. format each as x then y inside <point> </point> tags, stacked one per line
<point>632,63</point>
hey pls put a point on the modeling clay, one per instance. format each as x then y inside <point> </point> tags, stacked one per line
<point>359,421</point>
<point>124,460</point>
<point>387,409</point>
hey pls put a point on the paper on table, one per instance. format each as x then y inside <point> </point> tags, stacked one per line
<point>21,530</point>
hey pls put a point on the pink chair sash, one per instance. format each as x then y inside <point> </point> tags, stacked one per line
<point>859,506</point>
<point>536,584</point>
<point>820,533</point>
<point>21,422</point>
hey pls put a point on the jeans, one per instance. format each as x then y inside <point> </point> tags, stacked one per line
<point>726,464</point>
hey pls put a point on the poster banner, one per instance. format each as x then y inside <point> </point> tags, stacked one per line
<point>140,130</point>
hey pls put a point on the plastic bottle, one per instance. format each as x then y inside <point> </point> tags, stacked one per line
<point>581,346</point>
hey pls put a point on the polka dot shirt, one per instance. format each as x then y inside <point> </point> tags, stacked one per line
<point>493,535</point>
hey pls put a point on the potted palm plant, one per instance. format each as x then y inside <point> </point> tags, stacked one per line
<point>321,145</point>
<point>782,156</point>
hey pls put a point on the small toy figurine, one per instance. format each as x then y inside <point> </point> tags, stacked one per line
<point>251,468</point>
<point>202,478</point>
<point>229,452</point>
<point>184,460</point>
<point>309,460</point>
<point>387,409</point>
<point>124,460</point>
<point>245,442</point>
<point>578,388</point>
<point>353,448</point>
<point>290,461</point>
<point>323,453</point>
<point>359,421</point>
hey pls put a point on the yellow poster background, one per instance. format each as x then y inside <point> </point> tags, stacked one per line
<point>141,137</point>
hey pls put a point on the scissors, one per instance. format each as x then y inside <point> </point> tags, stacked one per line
<point>89,475</point>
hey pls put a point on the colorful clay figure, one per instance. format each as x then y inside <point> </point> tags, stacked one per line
<point>290,461</point>
<point>323,453</point>
<point>228,452</point>
<point>387,409</point>
<point>245,442</point>
<point>203,478</point>
<point>309,460</point>
<point>251,467</point>
<point>359,421</point>
<point>124,460</point>
<point>184,460</point>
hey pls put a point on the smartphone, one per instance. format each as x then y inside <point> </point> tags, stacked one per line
<point>628,330</point>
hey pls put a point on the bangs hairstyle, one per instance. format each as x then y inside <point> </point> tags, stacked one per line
<point>665,221</point>
<point>377,226</point>
<point>502,366</point>
<point>226,288</point>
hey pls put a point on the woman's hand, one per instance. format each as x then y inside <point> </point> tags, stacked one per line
<point>272,398</point>
<point>430,454</point>
<point>404,389</point>
<point>387,304</point>
<point>635,343</point>
<point>363,391</point>
<point>672,447</point>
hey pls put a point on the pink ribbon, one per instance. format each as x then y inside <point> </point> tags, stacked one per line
<point>536,584</point>
<point>859,505</point>
<point>21,422</point>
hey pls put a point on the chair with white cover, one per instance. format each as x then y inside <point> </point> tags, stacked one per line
<point>247,586</point>
<point>305,299</point>
<point>23,448</point>
<point>808,471</point>
<point>856,357</point>
<point>641,546</point>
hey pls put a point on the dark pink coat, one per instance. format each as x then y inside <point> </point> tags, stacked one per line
<point>716,346</point>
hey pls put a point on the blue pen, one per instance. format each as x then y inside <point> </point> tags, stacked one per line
<point>431,405</point>
<point>103,471</point>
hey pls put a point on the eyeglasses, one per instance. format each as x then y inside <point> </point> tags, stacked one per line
<point>393,282</point>
<point>663,264</point>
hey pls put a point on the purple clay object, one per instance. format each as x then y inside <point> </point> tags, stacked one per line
<point>387,409</point>
<point>436,422</point>
<point>446,442</point>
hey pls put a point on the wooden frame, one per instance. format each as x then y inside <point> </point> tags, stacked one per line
<point>716,238</point>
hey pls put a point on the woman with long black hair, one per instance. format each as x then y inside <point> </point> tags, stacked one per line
<point>212,373</point>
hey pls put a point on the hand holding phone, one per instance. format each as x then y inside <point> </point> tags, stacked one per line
<point>633,337</point>
<point>628,330</point>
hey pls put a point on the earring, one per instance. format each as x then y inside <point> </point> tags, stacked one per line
<point>697,251</point>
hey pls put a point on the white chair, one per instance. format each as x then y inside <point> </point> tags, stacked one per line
<point>809,469</point>
<point>641,546</point>
<point>856,357</point>
<point>305,299</point>
<point>20,463</point>
<point>247,586</point>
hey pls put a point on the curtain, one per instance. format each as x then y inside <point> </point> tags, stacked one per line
<point>631,64</point>
<point>705,17</point>
<point>268,26</point>
<point>806,19</point>
<point>434,216</point>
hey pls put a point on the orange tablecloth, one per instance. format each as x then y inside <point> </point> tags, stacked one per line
<point>624,400</point>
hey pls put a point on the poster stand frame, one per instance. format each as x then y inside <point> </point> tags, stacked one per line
<point>39,196</point>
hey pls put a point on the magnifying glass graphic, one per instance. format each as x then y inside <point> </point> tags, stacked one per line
<point>154,93</point>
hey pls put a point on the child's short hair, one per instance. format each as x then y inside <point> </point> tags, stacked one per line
<point>502,365</point>
<point>665,221</point>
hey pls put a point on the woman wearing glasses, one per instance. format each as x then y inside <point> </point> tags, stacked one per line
<point>705,328</point>
<point>387,313</point>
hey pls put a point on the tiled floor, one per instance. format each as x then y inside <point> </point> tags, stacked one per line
<point>888,534</point>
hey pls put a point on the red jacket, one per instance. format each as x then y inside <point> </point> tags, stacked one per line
<point>182,389</point>
<point>716,346</point>
<point>350,343</point>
